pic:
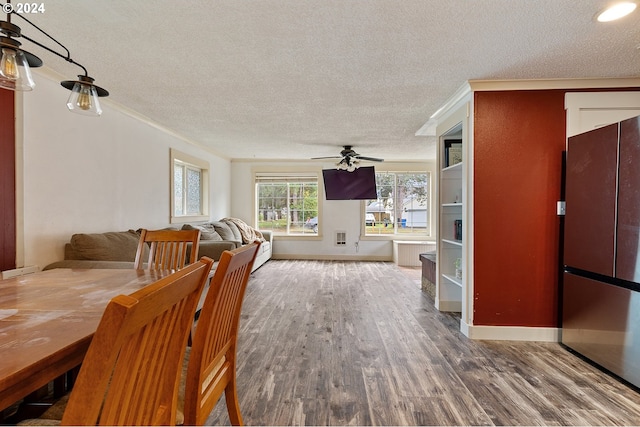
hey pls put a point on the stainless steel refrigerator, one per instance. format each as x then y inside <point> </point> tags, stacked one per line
<point>601,278</point>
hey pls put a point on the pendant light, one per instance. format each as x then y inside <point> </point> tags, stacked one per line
<point>84,96</point>
<point>16,64</point>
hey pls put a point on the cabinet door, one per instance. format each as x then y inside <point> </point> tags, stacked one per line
<point>628,231</point>
<point>591,200</point>
<point>591,110</point>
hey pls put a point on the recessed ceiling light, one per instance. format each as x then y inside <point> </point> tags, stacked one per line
<point>617,11</point>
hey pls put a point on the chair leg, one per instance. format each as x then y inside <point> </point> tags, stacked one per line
<point>60,386</point>
<point>233,407</point>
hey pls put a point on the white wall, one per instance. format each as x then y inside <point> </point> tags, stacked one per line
<point>337,215</point>
<point>83,174</point>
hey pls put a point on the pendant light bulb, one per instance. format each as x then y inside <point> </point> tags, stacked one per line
<point>8,66</point>
<point>14,70</point>
<point>84,100</point>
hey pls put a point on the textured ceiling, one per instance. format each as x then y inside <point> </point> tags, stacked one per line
<point>293,79</point>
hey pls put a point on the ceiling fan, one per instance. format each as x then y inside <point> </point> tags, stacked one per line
<point>349,159</point>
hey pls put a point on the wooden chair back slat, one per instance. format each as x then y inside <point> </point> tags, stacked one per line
<point>167,249</point>
<point>212,364</point>
<point>131,372</point>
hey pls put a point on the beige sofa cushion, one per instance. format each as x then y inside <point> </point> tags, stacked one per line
<point>110,246</point>
<point>207,231</point>
<point>237,235</point>
<point>224,231</point>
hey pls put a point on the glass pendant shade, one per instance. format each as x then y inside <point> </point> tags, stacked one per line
<point>84,100</point>
<point>16,64</point>
<point>15,73</point>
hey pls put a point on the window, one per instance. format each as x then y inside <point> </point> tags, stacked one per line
<point>402,206</point>
<point>287,203</point>
<point>189,188</point>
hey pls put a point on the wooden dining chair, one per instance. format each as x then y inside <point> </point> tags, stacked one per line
<point>131,373</point>
<point>167,249</point>
<point>211,367</point>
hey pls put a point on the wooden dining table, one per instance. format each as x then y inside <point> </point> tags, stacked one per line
<point>47,320</point>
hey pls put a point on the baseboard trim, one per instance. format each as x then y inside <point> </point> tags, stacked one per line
<point>510,333</point>
<point>455,306</point>
<point>332,257</point>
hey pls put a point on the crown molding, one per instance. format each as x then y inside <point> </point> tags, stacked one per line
<point>464,91</point>
<point>547,84</point>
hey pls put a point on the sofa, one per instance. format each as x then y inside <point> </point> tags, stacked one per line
<point>117,249</point>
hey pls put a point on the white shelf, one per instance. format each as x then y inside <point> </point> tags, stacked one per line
<point>453,280</point>
<point>453,168</point>
<point>453,242</point>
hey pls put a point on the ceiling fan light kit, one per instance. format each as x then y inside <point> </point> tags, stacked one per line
<point>348,163</point>
<point>16,64</point>
<point>349,159</point>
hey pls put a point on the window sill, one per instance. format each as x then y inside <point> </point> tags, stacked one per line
<point>297,236</point>
<point>187,219</point>
<point>390,237</point>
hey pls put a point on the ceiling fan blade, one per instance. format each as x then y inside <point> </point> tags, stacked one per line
<point>371,159</point>
<point>347,154</point>
<point>327,157</point>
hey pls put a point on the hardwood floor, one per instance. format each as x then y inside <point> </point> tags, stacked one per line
<point>357,343</point>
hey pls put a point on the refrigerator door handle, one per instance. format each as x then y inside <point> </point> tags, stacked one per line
<point>561,207</point>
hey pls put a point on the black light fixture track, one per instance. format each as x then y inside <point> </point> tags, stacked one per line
<point>16,64</point>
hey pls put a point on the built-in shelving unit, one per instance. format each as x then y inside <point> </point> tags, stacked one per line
<point>450,215</point>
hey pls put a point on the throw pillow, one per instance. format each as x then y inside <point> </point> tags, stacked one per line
<point>207,231</point>
<point>224,231</point>
<point>237,235</point>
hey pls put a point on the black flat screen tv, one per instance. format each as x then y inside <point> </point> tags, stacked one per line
<point>344,185</point>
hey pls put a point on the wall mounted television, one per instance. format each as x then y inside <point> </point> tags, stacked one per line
<point>344,185</point>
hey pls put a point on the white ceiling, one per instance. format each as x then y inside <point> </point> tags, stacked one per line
<point>294,79</point>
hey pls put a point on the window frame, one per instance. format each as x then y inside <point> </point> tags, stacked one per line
<point>194,163</point>
<point>266,173</point>
<point>429,231</point>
